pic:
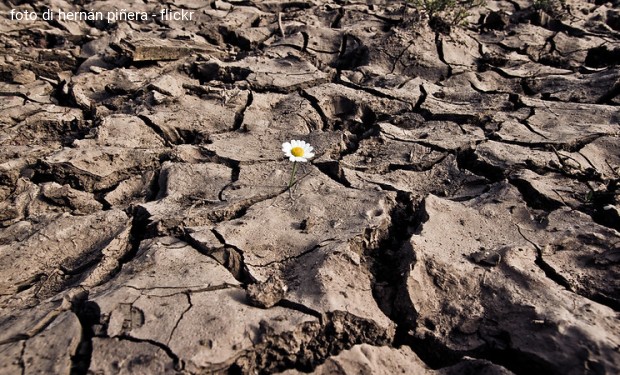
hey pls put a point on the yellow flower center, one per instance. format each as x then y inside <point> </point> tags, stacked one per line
<point>297,151</point>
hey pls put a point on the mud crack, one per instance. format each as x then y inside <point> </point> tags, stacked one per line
<point>309,345</point>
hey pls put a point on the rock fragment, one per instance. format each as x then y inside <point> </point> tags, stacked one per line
<point>125,131</point>
<point>495,311</point>
<point>282,75</point>
<point>59,342</point>
<point>155,49</point>
<point>80,202</point>
<point>95,169</point>
<point>44,263</point>
<point>266,294</point>
<point>129,357</point>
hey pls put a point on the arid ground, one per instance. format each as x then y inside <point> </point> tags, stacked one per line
<point>460,216</point>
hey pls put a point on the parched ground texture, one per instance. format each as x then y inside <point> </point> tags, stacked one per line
<point>460,216</point>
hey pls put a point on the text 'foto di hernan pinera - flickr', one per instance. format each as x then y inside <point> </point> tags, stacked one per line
<point>110,16</point>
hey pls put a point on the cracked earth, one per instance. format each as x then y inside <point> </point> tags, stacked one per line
<point>461,214</point>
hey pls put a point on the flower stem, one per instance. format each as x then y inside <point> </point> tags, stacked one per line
<point>290,183</point>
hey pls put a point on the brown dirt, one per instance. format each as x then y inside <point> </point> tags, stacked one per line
<point>461,214</point>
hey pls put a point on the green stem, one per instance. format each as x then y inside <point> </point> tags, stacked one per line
<point>290,183</point>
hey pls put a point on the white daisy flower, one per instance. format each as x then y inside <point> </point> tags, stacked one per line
<point>298,151</point>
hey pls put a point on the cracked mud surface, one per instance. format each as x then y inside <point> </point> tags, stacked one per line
<point>461,214</point>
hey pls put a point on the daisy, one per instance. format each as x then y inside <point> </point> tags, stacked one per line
<point>297,151</point>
